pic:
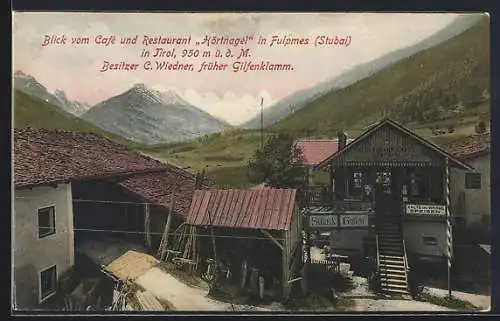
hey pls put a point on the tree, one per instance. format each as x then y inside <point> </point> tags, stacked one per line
<point>277,164</point>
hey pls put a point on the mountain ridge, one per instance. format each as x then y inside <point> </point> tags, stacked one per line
<point>301,98</point>
<point>31,86</point>
<point>148,116</point>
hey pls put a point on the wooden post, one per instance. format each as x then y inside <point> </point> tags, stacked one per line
<point>164,240</point>
<point>285,272</point>
<point>244,269</point>
<point>261,287</point>
<point>147,225</point>
<point>213,243</point>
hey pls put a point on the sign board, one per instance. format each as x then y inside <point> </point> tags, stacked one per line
<point>424,209</point>
<point>354,220</point>
<point>323,221</point>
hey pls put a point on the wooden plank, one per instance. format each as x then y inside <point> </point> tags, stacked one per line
<point>148,302</point>
<point>273,239</point>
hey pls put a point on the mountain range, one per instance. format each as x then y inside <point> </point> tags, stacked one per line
<point>448,81</point>
<point>301,98</point>
<point>148,116</point>
<point>29,85</point>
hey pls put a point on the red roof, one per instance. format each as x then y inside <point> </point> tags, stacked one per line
<point>266,208</point>
<point>470,146</point>
<point>157,188</point>
<point>315,151</point>
<point>43,157</point>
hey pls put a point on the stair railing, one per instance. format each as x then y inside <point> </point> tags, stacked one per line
<point>407,266</point>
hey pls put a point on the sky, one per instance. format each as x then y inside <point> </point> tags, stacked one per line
<point>233,96</point>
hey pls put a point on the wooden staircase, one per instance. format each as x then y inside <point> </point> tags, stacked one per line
<point>391,256</point>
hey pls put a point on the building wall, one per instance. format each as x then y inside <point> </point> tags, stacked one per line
<point>348,241</point>
<point>471,204</point>
<point>414,231</point>
<point>32,254</point>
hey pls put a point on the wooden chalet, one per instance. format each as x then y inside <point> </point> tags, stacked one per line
<point>387,199</point>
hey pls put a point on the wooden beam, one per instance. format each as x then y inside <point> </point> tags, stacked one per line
<point>286,268</point>
<point>266,233</point>
<point>147,224</point>
<point>296,279</point>
<point>164,240</point>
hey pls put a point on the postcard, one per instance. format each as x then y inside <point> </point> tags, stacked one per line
<point>251,162</point>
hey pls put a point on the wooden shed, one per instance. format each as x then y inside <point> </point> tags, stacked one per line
<point>266,212</point>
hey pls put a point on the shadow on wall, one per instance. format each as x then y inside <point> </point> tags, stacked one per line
<point>26,288</point>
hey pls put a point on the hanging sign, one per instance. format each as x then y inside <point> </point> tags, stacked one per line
<point>323,221</point>
<point>354,220</point>
<point>423,209</point>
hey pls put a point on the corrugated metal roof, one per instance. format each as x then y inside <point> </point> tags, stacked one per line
<point>267,208</point>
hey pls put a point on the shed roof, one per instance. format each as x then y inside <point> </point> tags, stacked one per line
<point>266,208</point>
<point>44,156</point>
<point>469,146</point>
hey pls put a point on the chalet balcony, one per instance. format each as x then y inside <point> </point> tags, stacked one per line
<point>316,196</point>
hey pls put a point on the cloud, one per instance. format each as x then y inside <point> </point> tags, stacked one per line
<point>231,107</point>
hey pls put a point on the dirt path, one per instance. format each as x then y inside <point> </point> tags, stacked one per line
<point>182,296</point>
<point>481,301</point>
<point>396,305</point>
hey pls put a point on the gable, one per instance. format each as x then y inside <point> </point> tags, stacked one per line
<point>388,146</point>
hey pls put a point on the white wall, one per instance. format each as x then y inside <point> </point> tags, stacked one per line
<point>413,232</point>
<point>32,254</point>
<point>472,204</point>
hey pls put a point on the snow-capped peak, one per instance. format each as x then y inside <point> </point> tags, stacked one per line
<point>158,94</point>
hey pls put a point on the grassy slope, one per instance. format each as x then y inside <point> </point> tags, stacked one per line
<point>33,112</point>
<point>361,103</point>
<point>225,156</point>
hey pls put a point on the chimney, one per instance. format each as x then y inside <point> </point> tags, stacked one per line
<point>341,139</point>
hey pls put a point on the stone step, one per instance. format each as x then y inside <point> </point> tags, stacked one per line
<point>390,234</point>
<point>393,263</point>
<point>395,291</point>
<point>392,271</point>
<point>391,241</point>
<point>392,257</point>
<point>392,247</point>
<point>394,278</point>
<point>394,286</point>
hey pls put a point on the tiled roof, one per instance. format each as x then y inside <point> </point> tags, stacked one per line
<point>44,156</point>
<point>315,151</point>
<point>157,187</point>
<point>470,146</point>
<point>267,208</point>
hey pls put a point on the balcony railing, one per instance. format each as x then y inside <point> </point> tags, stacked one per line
<point>316,196</point>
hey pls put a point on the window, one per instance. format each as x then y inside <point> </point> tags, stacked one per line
<point>48,282</point>
<point>429,240</point>
<point>357,180</point>
<point>472,180</point>
<point>46,221</point>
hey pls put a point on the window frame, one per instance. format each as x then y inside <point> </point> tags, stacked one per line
<point>41,297</point>
<point>468,174</point>
<point>53,230</point>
